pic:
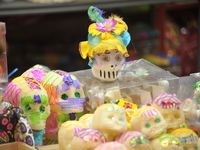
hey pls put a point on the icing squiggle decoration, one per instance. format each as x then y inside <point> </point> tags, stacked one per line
<point>136,138</point>
<point>89,134</point>
<point>72,104</point>
<point>166,100</point>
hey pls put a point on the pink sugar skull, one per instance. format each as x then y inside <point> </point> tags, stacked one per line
<point>170,107</point>
<point>66,98</point>
<point>149,121</point>
<point>111,146</point>
<point>31,97</point>
<point>87,139</point>
<point>134,140</point>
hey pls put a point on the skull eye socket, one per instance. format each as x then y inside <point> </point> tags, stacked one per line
<point>64,96</point>
<point>77,94</point>
<point>147,125</point>
<point>105,58</point>
<point>118,57</point>
<point>28,107</point>
<point>157,120</point>
<point>42,109</point>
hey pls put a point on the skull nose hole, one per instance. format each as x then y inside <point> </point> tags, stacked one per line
<point>111,66</point>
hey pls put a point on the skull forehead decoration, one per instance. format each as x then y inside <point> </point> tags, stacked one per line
<point>106,45</point>
<point>134,140</point>
<point>31,97</point>
<point>188,137</point>
<point>170,107</point>
<point>87,138</point>
<point>167,142</point>
<point>149,121</point>
<point>35,73</point>
<point>64,90</point>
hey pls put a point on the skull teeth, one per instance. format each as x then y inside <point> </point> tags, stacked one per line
<point>108,74</point>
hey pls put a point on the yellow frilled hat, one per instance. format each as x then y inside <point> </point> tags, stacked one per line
<point>104,35</point>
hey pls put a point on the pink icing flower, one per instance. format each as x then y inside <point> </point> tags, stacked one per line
<point>10,126</point>
<point>4,121</point>
<point>106,26</point>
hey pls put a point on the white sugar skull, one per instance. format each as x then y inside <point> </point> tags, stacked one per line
<point>87,139</point>
<point>134,140</point>
<point>166,142</point>
<point>106,45</point>
<point>66,133</point>
<point>149,121</point>
<point>188,138</point>
<point>110,119</point>
<point>66,98</point>
<point>171,108</point>
<point>107,65</point>
<point>31,97</point>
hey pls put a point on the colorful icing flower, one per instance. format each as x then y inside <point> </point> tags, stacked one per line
<point>3,134</point>
<point>106,29</point>
<point>10,126</point>
<point>4,121</point>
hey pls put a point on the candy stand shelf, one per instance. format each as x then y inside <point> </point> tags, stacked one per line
<point>19,7</point>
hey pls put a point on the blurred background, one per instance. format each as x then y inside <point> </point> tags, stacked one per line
<point>165,34</point>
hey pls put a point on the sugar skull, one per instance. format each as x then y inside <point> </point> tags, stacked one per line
<point>66,133</point>
<point>87,139</point>
<point>166,142</point>
<point>31,97</point>
<point>149,121</point>
<point>111,146</point>
<point>106,45</point>
<point>188,138</point>
<point>66,98</point>
<point>110,119</point>
<point>170,107</point>
<point>134,140</point>
<point>196,94</point>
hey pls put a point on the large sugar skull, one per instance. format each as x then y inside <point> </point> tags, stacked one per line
<point>87,139</point>
<point>66,133</point>
<point>171,108</point>
<point>149,121</point>
<point>166,142</point>
<point>111,146</point>
<point>66,98</point>
<point>31,97</point>
<point>134,140</point>
<point>106,45</point>
<point>110,119</point>
<point>188,138</point>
